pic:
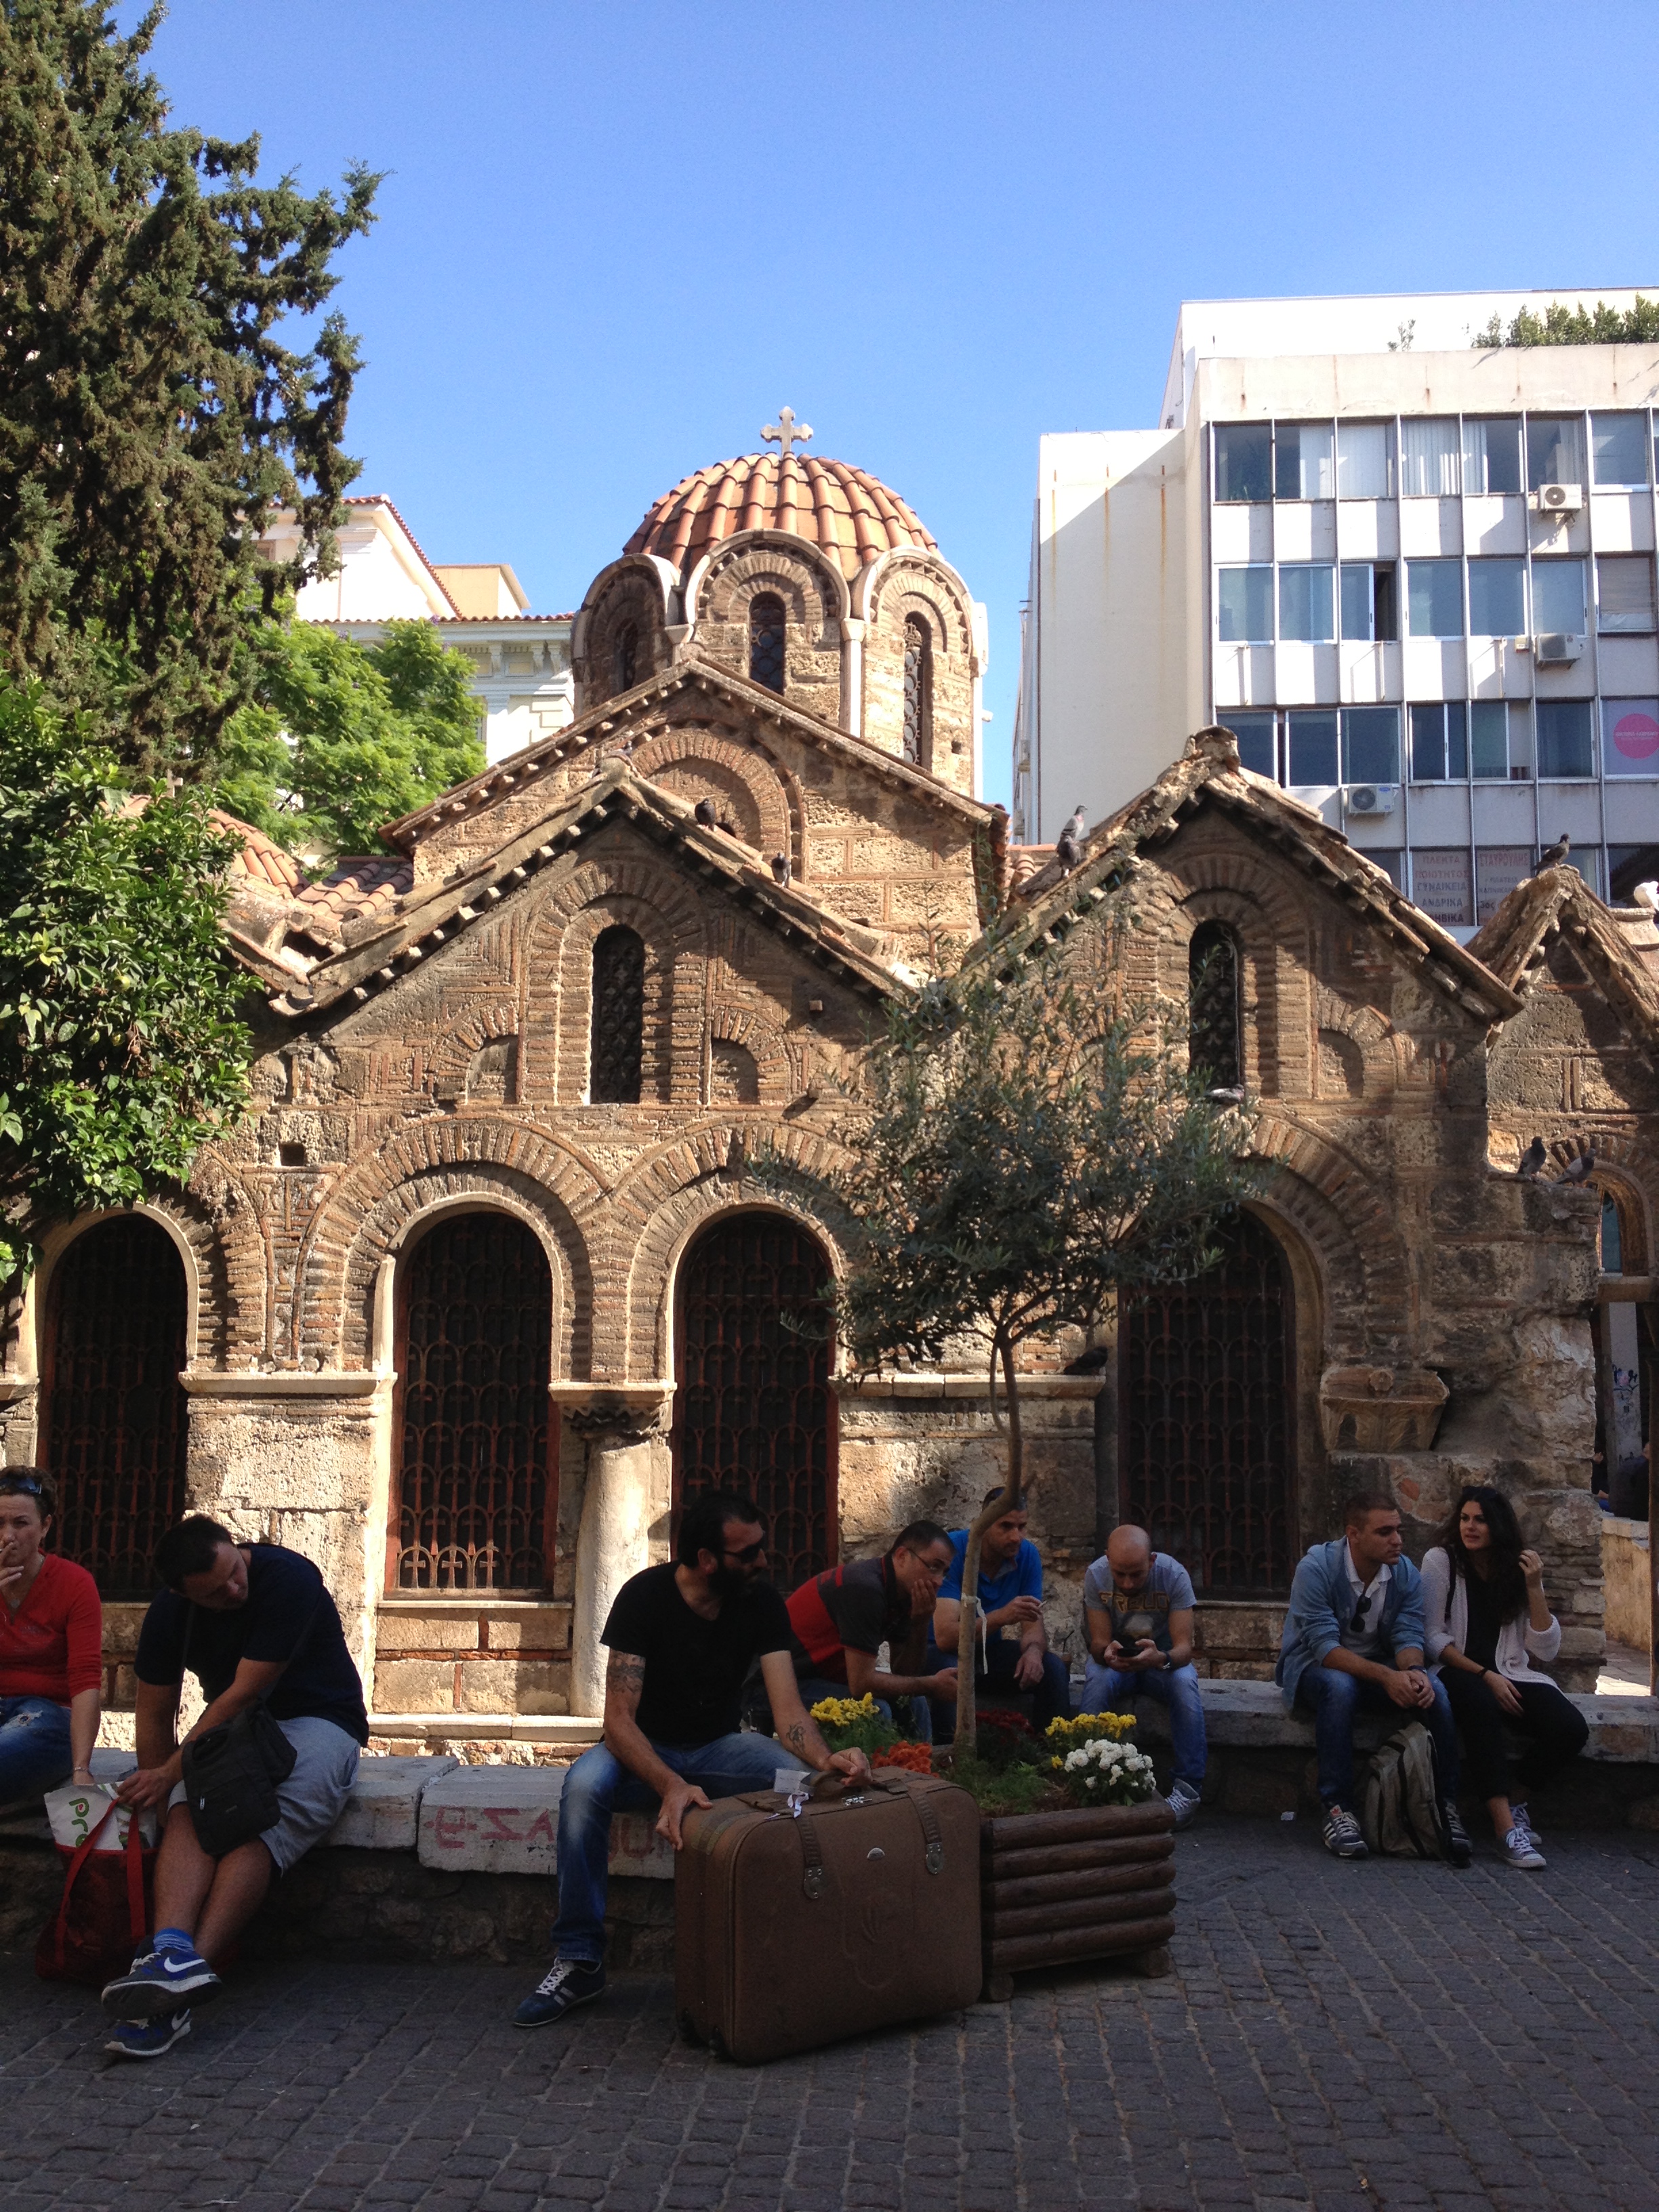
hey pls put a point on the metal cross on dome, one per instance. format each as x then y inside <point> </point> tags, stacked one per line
<point>785,432</point>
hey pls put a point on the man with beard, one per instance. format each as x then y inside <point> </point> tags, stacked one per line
<point>681,1637</point>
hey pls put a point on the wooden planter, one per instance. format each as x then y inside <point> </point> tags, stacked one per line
<point>1094,1883</point>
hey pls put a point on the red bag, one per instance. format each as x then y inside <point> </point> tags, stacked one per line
<point>105,1914</point>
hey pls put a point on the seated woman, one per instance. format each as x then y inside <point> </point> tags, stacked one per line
<point>51,1638</point>
<point>1486,1617</point>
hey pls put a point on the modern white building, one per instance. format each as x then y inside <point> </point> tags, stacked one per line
<point>1412,571</point>
<point>521,662</point>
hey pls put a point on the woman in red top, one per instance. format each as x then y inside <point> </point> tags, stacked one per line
<point>52,1636</point>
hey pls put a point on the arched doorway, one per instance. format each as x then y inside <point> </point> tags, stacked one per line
<point>753,1409</point>
<point>115,1426</point>
<point>1206,1418</point>
<point>474,1505</point>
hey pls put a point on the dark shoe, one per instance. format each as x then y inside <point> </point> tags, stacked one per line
<point>152,1985</point>
<point>148,2038</point>
<point>1459,1849</point>
<point>1343,1837</point>
<point>572,1982</point>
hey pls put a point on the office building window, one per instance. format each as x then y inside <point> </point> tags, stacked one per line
<point>1244,461</point>
<point>1557,596</point>
<point>1630,737</point>
<point>1443,884</point>
<point>1255,733</point>
<point>1368,609</point>
<point>1489,740</point>
<point>1623,592</point>
<point>1312,747</point>
<point>1618,448</point>
<point>1301,461</point>
<point>1628,865</point>
<point>1440,746</point>
<point>1364,460</point>
<point>1497,598</point>
<point>1564,737</point>
<point>1307,608</point>
<point>1370,744</point>
<point>1497,870</point>
<point>1492,455</point>
<point>1428,456</point>
<point>1434,597</point>
<point>1245,605</point>
<point>1555,450</point>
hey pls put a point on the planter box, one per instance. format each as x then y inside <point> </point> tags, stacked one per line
<point>1089,1883</point>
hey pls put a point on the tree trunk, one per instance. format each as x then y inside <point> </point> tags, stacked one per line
<point>968,1635</point>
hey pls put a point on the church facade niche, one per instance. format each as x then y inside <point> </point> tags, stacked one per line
<point>920,651</point>
<point>770,610</point>
<point>617,1051</point>
<point>620,637</point>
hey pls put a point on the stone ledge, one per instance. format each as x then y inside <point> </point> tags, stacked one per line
<point>504,1820</point>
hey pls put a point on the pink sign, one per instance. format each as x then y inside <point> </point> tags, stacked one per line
<point>1636,736</point>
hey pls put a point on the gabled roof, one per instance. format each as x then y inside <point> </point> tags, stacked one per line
<point>1559,903</point>
<point>1208,773</point>
<point>850,952</point>
<point>614,717</point>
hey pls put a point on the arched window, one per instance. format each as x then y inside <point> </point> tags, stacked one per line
<point>918,689</point>
<point>616,1042</point>
<point>628,657</point>
<point>1212,965</point>
<point>1612,1240</point>
<point>113,1424</point>
<point>766,638</point>
<point>474,1507</point>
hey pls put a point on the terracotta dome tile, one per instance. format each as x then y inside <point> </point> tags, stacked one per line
<point>852,515</point>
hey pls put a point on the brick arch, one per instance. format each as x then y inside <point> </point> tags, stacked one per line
<point>633,589</point>
<point>721,591</point>
<point>1371,1302</point>
<point>1371,1034</point>
<point>1628,1170</point>
<point>690,762</point>
<point>480,1025</point>
<point>779,1078</point>
<point>910,583</point>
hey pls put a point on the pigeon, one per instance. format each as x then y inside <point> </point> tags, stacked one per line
<point>780,867</point>
<point>1532,1161</point>
<point>1232,1095</point>
<point>1647,894</point>
<point>704,812</point>
<point>1553,855</point>
<point>1581,1170</point>
<point>1068,846</point>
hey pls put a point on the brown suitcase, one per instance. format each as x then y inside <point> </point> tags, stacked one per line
<point>801,1921</point>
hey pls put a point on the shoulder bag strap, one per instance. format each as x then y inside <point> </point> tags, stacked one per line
<point>83,1850</point>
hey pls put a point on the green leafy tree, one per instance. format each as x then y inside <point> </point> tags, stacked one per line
<point>151,425</point>
<point>120,1048</point>
<point>342,737</point>
<point>1035,1148</point>
<point>1561,325</point>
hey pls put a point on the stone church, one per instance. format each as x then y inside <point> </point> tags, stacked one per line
<point>481,1288</point>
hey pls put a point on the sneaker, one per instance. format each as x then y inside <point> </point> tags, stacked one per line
<point>1522,1818</point>
<point>570,1982</point>
<point>154,1981</point>
<point>1342,1836</point>
<point>1184,1803</point>
<point>148,2038</point>
<point>1459,1849</point>
<point>1521,1849</point>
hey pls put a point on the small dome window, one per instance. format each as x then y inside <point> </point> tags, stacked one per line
<point>918,689</point>
<point>628,657</point>
<point>766,641</point>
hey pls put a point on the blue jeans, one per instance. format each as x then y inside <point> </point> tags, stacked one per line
<point>1113,1690</point>
<point>816,1689</point>
<point>34,1747</point>
<point>1334,1697</point>
<point>599,1785</point>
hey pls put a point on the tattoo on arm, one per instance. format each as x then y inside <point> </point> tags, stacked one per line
<point>624,1672</point>
<point>795,1735</point>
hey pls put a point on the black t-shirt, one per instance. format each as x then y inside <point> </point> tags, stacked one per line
<point>1485,1621</point>
<point>868,1608</point>
<point>288,1616</point>
<point>694,1668</point>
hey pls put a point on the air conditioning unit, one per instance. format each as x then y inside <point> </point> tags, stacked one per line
<point>1557,499</point>
<point>1558,646</point>
<point>1371,798</point>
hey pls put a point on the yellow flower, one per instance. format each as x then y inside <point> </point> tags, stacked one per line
<point>841,1712</point>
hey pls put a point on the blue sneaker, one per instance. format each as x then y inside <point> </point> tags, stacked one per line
<point>148,2038</point>
<point>571,1982</point>
<point>152,1984</point>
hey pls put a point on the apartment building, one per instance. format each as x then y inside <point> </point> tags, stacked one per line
<point>1414,571</point>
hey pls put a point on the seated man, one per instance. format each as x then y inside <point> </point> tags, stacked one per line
<point>841,1618</point>
<point>1137,1605</point>
<point>1352,1641</point>
<point>681,1637</point>
<point>1014,1654</point>
<point>250,1621</point>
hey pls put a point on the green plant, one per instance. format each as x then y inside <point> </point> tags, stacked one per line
<point>998,1790</point>
<point>854,1724</point>
<point>1561,325</point>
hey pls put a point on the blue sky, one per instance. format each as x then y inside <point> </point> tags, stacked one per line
<point>616,238</point>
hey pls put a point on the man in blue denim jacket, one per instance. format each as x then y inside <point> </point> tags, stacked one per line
<point>1353,1641</point>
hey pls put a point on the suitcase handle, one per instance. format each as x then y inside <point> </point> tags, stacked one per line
<point>813,1881</point>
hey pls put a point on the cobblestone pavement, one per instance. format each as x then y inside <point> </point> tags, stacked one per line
<point>1351,2039</point>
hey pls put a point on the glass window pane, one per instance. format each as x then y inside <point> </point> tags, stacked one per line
<point>1254,733</point>
<point>1245,600</point>
<point>1370,744</point>
<point>1359,599</point>
<point>1557,596</point>
<point>1489,748</point>
<point>1628,865</point>
<point>1520,721</point>
<point>1630,737</point>
<point>1619,446</point>
<point>1439,743</point>
<point>1492,455</point>
<point>1301,461</point>
<point>1362,461</point>
<point>1624,592</point>
<point>1555,450</point>
<point>1564,737</point>
<point>1428,456</point>
<point>1441,886</point>
<point>1313,748</point>
<point>1306,604</point>
<point>1243,461</point>
<point>1435,598</point>
<point>1497,598</point>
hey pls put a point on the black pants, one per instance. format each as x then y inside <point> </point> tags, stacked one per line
<point>1554,1728</point>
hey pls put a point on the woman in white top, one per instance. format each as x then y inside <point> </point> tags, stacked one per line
<point>1486,1619</point>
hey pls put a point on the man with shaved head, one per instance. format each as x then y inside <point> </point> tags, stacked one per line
<point>1139,1606</point>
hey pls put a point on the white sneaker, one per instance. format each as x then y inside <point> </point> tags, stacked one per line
<point>1520,1849</point>
<point>1183,1802</point>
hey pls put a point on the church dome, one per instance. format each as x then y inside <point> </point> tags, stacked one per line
<point>853,516</point>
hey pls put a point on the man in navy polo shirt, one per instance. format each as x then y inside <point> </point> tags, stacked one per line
<point>1014,1654</point>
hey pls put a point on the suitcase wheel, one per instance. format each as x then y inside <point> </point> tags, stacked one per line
<point>688,2028</point>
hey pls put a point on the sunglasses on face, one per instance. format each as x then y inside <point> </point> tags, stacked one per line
<point>749,1555</point>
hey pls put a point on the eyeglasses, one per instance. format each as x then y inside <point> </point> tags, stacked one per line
<point>749,1555</point>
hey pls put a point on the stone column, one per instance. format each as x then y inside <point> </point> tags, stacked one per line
<point>626,1479</point>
